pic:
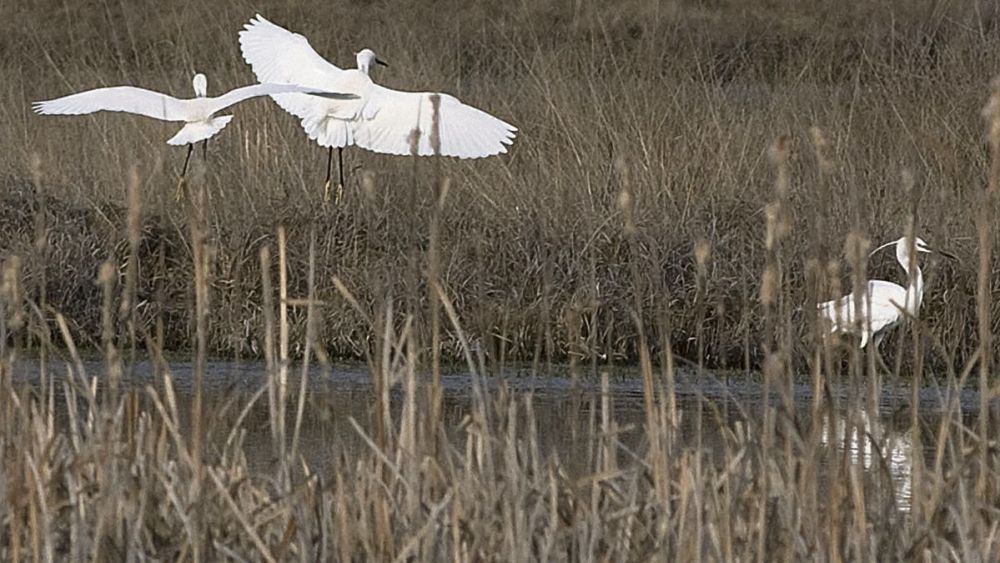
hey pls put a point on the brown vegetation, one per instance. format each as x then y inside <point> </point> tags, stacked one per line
<point>678,101</point>
<point>686,179</point>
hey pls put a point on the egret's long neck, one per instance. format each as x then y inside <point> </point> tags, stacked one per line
<point>200,84</point>
<point>914,287</point>
<point>363,65</point>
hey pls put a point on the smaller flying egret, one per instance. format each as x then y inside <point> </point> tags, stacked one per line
<point>381,120</point>
<point>887,303</point>
<point>196,113</point>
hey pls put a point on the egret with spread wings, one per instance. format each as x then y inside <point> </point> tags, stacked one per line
<point>197,114</point>
<point>380,119</point>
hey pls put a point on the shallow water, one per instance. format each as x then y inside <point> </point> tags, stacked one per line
<point>625,386</point>
<point>567,411</point>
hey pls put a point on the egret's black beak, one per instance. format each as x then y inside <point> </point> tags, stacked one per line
<point>334,95</point>
<point>947,254</point>
<point>379,61</point>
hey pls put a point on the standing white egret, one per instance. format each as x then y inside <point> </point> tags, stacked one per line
<point>380,120</point>
<point>885,304</point>
<point>196,113</point>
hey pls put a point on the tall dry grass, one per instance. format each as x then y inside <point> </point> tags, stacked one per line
<point>99,468</point>
<point>680,100</point>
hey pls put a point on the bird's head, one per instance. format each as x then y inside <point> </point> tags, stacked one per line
<point>903,249</point>
<point>902,245</point>
<point>200,84</point>
<point>920,246</point>
<point>367,58</point>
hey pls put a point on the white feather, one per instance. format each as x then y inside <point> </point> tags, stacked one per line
<point>195,111</point>
<point>197,131</point>
<point>380,119</point>
<point>119,98</point>
<point>881,308</point>
<point>884,304</point>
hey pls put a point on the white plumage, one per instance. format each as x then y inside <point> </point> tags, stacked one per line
<point>884,305</point>
<point>380,119</point>
<point>196,113</point>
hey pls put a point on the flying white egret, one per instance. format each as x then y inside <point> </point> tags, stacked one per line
<point>885,305</point>
<point>196,113</point>
<point>380,120</point>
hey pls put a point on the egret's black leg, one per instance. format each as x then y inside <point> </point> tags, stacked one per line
<point>329,172</point>
<point>182,182</point>
<point>187,159</point>
<point>340,170</point>
<point>204,150</point>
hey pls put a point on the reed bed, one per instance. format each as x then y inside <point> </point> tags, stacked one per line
<point>99,465</point>
<point>681,100</point>
<point>689,179</point>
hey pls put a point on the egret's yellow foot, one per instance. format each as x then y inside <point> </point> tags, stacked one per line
<point>179,192</point>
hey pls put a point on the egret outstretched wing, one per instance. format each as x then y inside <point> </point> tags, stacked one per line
<point>127,99</point>
<point>279,56</point>
<point>246,92</point>
<point>390,118</point>
<point>197,113</point>
<point>381,119</point>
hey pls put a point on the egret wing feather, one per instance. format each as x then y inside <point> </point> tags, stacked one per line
<point>381,119</point>
<point>390,117</point>
<point>199,130</point>
<point>128,99</point>
<point>246,92</point>
<point>279,56</point>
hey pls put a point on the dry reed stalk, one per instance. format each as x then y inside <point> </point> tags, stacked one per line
<point>383,380</point>
<point>129,301</point>
<point>408,445</point>
<point>41,254</point>
<point>671,413</point>
<point>442,186</point>
<point>414,235</point>
<point>262,549</point>
<point>916,457</point>
<point>772,298</point>
<point>819,269</point>
<point>283,341</point>
<point>198,225</point>
<point>702,253</point>
<point>984,299</point>
<point>822,270</point>
<point>309,338</point>
<point>856,248</point>
<point>654,425</point>
<point>10,324</point>
<point>433,280</point>
<point>106,278</point>
<point>271,365</point>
